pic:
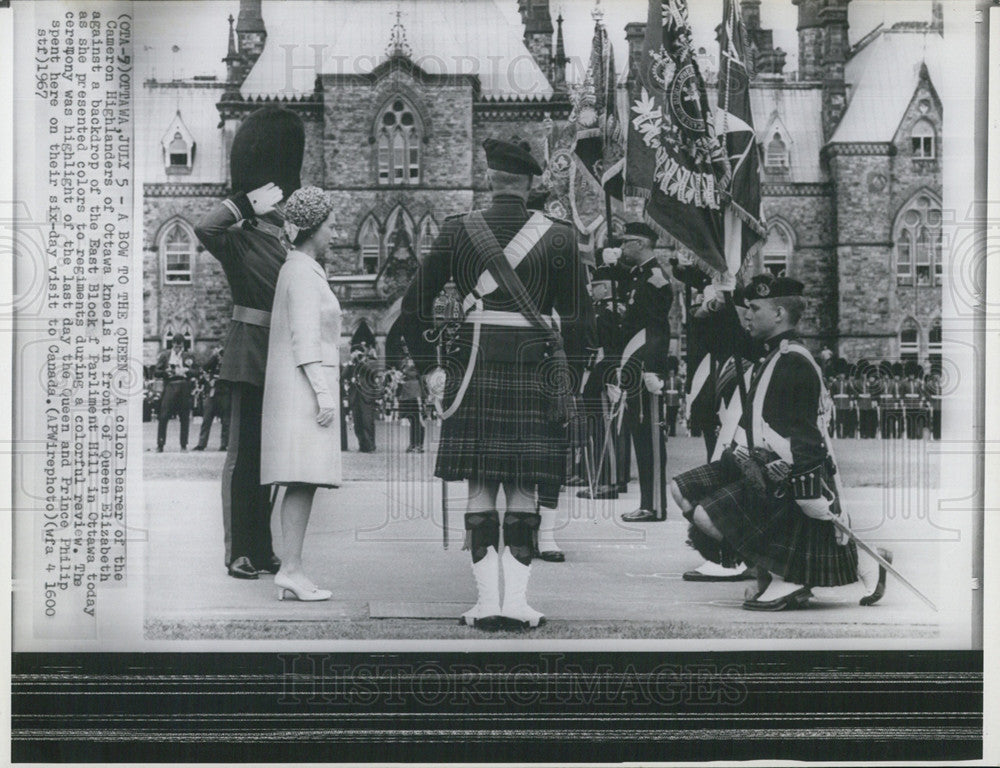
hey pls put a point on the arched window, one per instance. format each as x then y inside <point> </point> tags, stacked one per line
<point>934,345</point>
<point>909,341</point>
<point>177,253</point>
<point>904,257</point>
<point>370,245</point>
<point>922,140</point>
<point>917,235</point>
<point>425,236</point>
<point>776,154</point>
<point>777,250</point>
<point>398,136</point>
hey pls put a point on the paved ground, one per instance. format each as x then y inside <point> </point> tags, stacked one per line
<point>377,543</point>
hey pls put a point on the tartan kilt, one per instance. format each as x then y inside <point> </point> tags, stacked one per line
<point>500,430</point>
<point>768,532</point>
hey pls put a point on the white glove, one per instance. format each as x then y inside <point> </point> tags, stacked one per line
<point>614,393</point>
<point>654,384</point>
<point>611,256</point>
<point>820,508</point>
<point>263,199</point>
<point>435,383</point>
<point>725,282</point>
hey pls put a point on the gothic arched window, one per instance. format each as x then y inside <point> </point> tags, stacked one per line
<point>909,341</point>
<point>398,135</point>
<point>425,236</point>
<point>177,253</point>
<point>934,345</point>
<point>777,251</point>
<point>917,235</point>
<point>370,245</point>
<point>922,139</point>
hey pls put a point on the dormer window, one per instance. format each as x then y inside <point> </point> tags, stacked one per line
<point>922,140</point>
<point>776,153</point>
<point>178,147</point>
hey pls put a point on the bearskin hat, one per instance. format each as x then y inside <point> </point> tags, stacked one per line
<point>268,147</point>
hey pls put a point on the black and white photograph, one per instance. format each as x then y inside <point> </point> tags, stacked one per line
<point>500,380</point>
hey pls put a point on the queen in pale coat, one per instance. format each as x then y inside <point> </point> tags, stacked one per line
<point>300,442</point>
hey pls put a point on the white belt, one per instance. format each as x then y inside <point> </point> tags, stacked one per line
<point>499,317</point>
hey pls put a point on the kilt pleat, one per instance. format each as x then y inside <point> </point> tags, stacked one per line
<point>500,430</point>
<point>767,532</point>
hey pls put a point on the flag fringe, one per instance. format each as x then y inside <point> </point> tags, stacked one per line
<point>755,223</point>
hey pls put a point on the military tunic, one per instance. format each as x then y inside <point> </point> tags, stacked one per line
<point>251,253</point>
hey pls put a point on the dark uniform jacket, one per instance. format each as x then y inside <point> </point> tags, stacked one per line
<point>648,297</point>
<point>551,273</point>
<point>251,257</point>
<point>790,408</point>
<point>189,371</point>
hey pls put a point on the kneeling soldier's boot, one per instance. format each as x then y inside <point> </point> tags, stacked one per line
<point>518,535</point>
<point>483,538</point>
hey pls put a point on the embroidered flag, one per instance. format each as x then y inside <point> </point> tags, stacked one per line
<point>600,139</point>
<point>734,125</point>
<point>674,159</point>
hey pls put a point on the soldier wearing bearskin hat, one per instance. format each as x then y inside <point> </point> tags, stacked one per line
<point>244,232</point>
<point>500,376</point>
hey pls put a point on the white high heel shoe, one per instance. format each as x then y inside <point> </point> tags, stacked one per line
<point>305,593</point>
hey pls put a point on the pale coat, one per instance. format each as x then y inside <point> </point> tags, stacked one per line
<point>305,328</point>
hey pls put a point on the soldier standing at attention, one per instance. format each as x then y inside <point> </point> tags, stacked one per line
<point>244,234</point>
<point>644,359</point>
<point>177,368</point>
<point>505,421</point>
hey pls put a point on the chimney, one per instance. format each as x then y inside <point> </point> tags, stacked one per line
<point>250,33</point>
<point>836,46</point>
<point>538,32</point>
<point>810,39</point>
<point>559,60</point>
<point>635,36</point>
<point>937,18</point>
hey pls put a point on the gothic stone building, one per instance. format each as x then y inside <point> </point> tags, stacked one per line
<point>398,97</point>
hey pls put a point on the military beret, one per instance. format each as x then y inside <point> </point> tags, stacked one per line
<point>767,286</point>
<point>640,229</point>
<point>512,158</point>
<point>603,273</point>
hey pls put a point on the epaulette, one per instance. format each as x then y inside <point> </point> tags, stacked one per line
<point>656,278</point>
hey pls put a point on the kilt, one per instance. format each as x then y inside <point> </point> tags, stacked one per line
<point>768,532</point>
<point>500,430</point>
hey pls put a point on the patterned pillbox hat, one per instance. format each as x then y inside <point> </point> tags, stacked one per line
<point>306,209</point>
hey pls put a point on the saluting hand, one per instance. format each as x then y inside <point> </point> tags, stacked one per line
<point>263,199</point>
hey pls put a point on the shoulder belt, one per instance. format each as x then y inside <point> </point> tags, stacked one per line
<point>768,437</point>
<point>521,244</point>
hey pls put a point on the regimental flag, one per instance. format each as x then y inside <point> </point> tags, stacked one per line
<point>600,139</point>
<point>674,159</point>
<point>745,229</point>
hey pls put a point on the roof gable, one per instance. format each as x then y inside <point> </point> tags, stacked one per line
<point>882,79</point>
<point>445,37</point>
